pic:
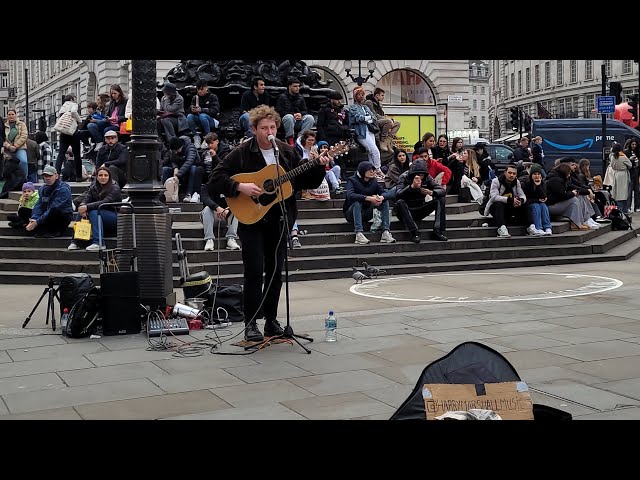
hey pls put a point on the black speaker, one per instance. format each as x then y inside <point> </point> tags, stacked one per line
<point>121,311</point>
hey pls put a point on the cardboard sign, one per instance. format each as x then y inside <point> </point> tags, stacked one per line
<point>510,400</point>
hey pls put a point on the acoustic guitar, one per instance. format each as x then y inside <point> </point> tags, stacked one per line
<point>275,183</point>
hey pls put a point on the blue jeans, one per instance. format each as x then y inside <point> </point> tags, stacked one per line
<point>290,123</point>
<point>193,177</point>
<point>539,215</point>
<point>358,213</point>
<point>21,155</point>
<point>204,120</point>
<point>109,223</point>
<point>244,125</point>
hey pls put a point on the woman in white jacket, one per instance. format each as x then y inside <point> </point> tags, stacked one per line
<point>72,141</point>
<point>620,165</point>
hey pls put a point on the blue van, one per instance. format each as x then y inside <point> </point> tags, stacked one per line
<point>579,138</point>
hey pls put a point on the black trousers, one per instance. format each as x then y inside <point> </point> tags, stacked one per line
<point>22,216</point>
<point>410,215</point>
<point>56,222</point>
<point>506,214</point>
<point>264,246</point>
<point>72,141</point>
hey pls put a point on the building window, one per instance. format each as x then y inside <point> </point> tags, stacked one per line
<point>5,109</point>
<point>4,81</point>
<point>627,66</point>
<point>506,85</point>
<point>483,105</point>
<point>560,73</point>
<point>475,104</point>
<point>475,89</point>
<point>536,75</point>
<point>405,86</point>
<point>519,82</point>
<point>628,92</point>
<point>607,67</point>
<point>573,71</point>
<point>589,105</point>
<point>482,90</point>
<point>527,79</point>
<point>588,69</point>
<point>513,84</point>
<point>483,121</point>
<point>547,74</point>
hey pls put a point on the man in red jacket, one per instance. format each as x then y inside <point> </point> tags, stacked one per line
<point>439,172</point>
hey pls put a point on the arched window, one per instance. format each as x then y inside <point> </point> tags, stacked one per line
<point>406,87</point>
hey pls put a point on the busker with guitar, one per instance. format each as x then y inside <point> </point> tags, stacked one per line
<point>244,178</point>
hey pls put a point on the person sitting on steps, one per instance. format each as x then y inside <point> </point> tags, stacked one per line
<point>51,215</point>
<point>388,126</point>
<point>293,110</point>
<point>205,108</point>
<point>26,203</point>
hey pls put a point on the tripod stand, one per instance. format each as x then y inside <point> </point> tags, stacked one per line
<point>288,330</point>
<point>53,294</point>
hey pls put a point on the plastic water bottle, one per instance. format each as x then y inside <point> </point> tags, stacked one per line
<point>63,321</point>
<point>330,327</point>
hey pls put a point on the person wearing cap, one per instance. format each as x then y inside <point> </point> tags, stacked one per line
<point>113,155</point>
<point>26,203</point>
<point>413,186</point>
<point>535,189</point>
<point>171,119</point>
<point>52,212</point>
<point>364,195</point>
<point>333,120</point>
<point>258,95</point>
<point>184,166</point>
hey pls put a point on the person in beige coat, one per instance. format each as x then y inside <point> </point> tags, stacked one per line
<point>15,143</point>
<point>620,179</point>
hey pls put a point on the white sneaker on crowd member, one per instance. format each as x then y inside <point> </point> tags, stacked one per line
<point>187,198</point>
<point>73,246</point>
<point>361,239</point>
<point>592,224</point>
<point>532,230</point>
<point>98,146</point>
<point>195,197</point>
<point>548,231</point>
<point>503,232</point>
<point>208,245</point>
<point>386,237</point>
<point>232,244</point>
<point>197,141</point>
<point>94,247</point>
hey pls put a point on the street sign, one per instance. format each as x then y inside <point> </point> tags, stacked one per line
<point>606,104</point>
<point>454,99</point>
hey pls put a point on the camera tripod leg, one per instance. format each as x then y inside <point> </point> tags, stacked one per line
<point>51,308</point>
<point>44,292</point>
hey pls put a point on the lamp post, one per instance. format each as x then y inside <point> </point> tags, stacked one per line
<point>153,225</point>
<point>371,66</point>
<point>26,96</point>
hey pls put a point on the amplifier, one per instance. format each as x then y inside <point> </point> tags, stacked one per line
<point>176,326</point>
<point>121,311</point>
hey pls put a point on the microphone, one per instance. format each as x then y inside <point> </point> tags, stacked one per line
<point>272,139</point>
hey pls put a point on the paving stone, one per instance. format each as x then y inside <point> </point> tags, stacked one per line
<point>596,320</point>
<point>527,342</point>
<point>548,374</point>
<point>586,335</point>
<point>628,388</point>
<point>610,369</point>
<point>337,363</point>
<point>410,354</point>
<point>31,367</point>
<point>67,413</point>
<point>392,396</point>
<point>89,376</point>
<point>265,372</point>
<point>105,359</point>
<point>339,407</point>
<point>274,411</point>
<point>586,395</point>
<point>505,329</point>
<point>403,374</point>
<point>32,341</point>
<point>619,414</point>
<point>30,383</point>
<point>343,382</point>
<point>197,380</point>
<point>447,347</point>
<point>55,351</point>
<point>535,359</point>
<point>254,394</point>
<point>454,335</point>
<point>372,345</point>
<point>597,350</point>
<point>204,362</point>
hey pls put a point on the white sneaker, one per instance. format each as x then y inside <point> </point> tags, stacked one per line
<point>386,237</point>
<point>125,200</point>
<point>232,244</point>
<point>532,230</point>
<point>197,141</point>
<point>503,232</point>
<point>593,225</point>
<point>94,247</point>
<point>73,246</point>
<point>208,246</point>
<point>98,146</point>
<point>361,239</point>
<point>187,198</point>
<point>547,231</point>
<point>195,198</point>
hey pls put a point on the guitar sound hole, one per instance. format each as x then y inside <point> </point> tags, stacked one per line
<point>268,186</point>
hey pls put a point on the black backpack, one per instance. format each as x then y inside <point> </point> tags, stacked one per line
<point>72,288</point>
<point>619,220</point>
<point>85,315</point>
<point>228,297</point>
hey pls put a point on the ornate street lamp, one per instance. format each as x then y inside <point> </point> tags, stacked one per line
<point>371,66</point>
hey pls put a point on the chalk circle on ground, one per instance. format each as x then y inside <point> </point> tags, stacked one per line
<point>471,287</point>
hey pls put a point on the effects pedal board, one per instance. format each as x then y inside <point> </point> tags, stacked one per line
<point>170,326</point>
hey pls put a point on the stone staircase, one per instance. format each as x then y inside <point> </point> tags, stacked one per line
<point>328,250</point>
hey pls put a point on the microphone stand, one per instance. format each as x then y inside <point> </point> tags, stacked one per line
<point>288,330</point>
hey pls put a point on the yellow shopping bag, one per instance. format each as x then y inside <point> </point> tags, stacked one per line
<point>82,230</point>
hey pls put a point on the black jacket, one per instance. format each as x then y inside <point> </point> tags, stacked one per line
<point>247,158</point>
<point>249,100</point>
<point>118,156</point>
<point>332,128</point>
<point>413,196</point>
<point>209,104</point>
<point>557,188</point>
<point>533,192</point>
<point>94,198</point>
<point>290,104</point>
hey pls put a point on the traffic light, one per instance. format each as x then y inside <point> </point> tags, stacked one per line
<point>615,90</point>
<point>633,107</point>
<point>515,120</point>
<point>527,123</point>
